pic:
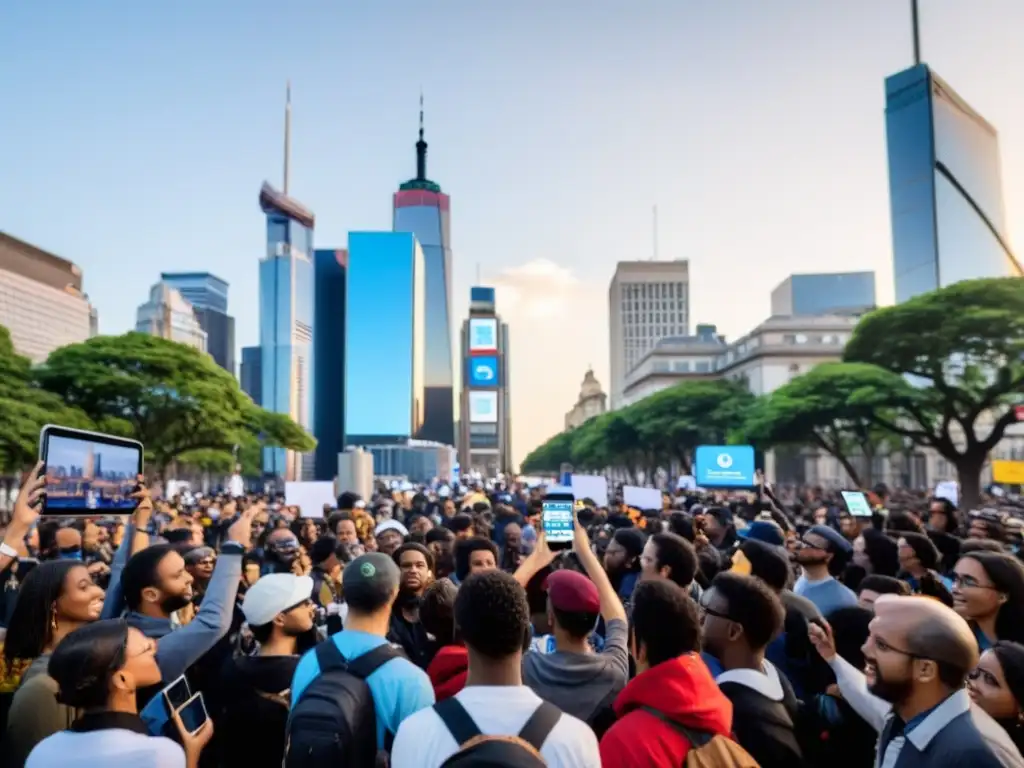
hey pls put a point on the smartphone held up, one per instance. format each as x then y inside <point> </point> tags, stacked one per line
<point>557,518</point>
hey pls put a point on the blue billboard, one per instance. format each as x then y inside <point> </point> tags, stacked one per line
<point>482,371</point>
<point>725,466</point>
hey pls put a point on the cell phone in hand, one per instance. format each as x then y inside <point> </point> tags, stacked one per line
<point>177,694</point>
<point>194,714</point>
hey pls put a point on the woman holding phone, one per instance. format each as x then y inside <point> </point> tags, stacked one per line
<point>98,670</point>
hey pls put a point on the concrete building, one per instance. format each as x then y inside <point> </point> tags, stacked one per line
<point>839,293</point>
<point>41,299</point>
<point>592,401</point>
<point>170,316</point>
<point>647,301</point>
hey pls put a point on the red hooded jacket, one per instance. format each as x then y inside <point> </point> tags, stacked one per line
<point>682,689</point>
<point>447,671</point>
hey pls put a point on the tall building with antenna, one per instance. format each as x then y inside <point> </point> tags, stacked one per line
<point>945,184</point>
<point>420,207</point>
<point>287,301</point>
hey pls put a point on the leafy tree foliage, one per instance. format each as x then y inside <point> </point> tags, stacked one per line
<point>171,397</point>
<point>962,347</point>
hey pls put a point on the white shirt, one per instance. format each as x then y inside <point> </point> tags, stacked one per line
<point>109,746</point>
<point>423,740</point>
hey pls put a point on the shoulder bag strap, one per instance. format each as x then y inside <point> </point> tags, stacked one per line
<point>696,738</point>
<point>540,724</point>
<point>457,720</point>
<point>365,665</point>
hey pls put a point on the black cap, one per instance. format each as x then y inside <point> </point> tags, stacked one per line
<point>369,581</point>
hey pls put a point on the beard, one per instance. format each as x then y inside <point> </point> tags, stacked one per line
<point>807,560</point>
<point>892,691</point>
<point>173,603</point>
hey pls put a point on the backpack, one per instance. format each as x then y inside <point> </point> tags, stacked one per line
<point>334,722</point>
<point>476,749</point>
<point>708,750</point>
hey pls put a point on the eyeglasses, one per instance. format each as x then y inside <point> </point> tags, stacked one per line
<point>978,674</point>
<point>969,582</point>
<point>706,611</point>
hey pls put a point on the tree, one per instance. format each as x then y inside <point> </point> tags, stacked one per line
<point>171,397</point>
<point>25,409</point>
<point>549,455</point>
<point>832,406</point>
<point>963,348</point>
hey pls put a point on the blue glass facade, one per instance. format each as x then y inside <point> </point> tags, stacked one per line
<point>945,187</point>
<point>250,373</point>
<point>287,308</point>
<point>208,295</point>
<point>330,268</point>
<point>424,213</point>
<point>840,293</point>
<point>385,335</point>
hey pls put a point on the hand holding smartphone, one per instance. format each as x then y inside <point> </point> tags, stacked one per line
<point>557,519</point>
<point>194,726</point>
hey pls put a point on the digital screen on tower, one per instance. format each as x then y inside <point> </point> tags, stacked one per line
<point>483,334</point>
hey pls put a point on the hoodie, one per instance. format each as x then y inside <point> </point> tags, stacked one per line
<point>448,671</point>
<point>253,690</point>
<point>764,710</point>
<point>683,690</point>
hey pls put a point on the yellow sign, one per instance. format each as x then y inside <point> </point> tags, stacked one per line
<point>1009,472</point>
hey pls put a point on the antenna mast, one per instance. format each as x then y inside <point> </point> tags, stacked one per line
<point>655,232</point>
<point>287,133</point>
<point>916,32</point>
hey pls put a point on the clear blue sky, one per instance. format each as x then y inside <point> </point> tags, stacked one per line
<point>134,137</point>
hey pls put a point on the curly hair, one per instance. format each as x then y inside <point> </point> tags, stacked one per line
<point>492,614</point>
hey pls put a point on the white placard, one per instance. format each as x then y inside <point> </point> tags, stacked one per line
<point>310,497</point>
<point>687,483</point>
<point>590,487</point>
<point>641,498</point>
<point>948,489</point>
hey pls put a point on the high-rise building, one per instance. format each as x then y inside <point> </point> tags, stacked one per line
<point>208,295</point>
<point>485,442</point>
<point>945,187</point>
<point>647,301</point>
<point>329,268</point>
<point>840,293</point>
<point>41,299</point>
<point>287,309</point>
<point>420,207</point>
<point>384,338</point>
<point>250,374</point>
<point>168,315</point>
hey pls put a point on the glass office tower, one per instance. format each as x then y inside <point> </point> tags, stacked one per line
<point>330,267</point>
<point>250,375</point>
<point>384,338</point>
<point>287,305</point>
<point>420,207</point>
<point>945,187</point>
<point>839,293</point>
<point>208,295</point>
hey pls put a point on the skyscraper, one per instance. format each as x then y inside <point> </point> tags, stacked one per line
<point>330,267</point>
<point>945,187</point>
<point>287,308</point>
<point>208,295</point>
<point>647,301</point>
<point>837,293</point>
<point>420,207</point>
<point>250,374</point>
<point>169,315</point>
<point>384,344</point>
<point>485,440</point>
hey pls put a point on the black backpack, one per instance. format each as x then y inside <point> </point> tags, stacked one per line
<point>334,722</point>
<point>480,751</point>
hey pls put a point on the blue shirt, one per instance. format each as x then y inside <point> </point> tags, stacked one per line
<point>399,687</point>
<point>827,595</point>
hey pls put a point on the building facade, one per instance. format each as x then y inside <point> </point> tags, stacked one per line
<point>841,293</point>
<point>417,461</point>
<point>208,295</point>
<point>41,299</point>
<point>485,440</point>
<point>168,315</point>
<point>330,267</point>
<point>250,373</point>
<point>592,401</point>
<point>287,309</point>
<point>384,338</point>
<point>945,187</point>
<point>421,208</point>
<point>647,301</point>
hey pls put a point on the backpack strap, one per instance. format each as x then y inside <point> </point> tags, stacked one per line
<point>328,657</point>
<point>540,724</point>
<point>696,738</point>
<point>365,665</point>
<point>457,720</point>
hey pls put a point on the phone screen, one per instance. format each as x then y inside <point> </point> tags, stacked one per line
<point>857,503</point>
<point>177,693</point>
<point>88,473</point>
<point>556,516</point>
<point>193,714</point>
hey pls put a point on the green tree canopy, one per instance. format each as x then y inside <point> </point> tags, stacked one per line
<point>962,347</point>
<point>171,397</point>
<point>832,406</point>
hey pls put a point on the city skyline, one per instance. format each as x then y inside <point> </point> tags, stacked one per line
<point>554,174</point>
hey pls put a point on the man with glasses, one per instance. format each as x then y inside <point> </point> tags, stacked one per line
<point>823,553</point>
<point>917,657</point>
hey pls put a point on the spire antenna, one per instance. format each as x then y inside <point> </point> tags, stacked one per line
<point>916,29</point>
<point>421,149</point>
<point>287,133</point>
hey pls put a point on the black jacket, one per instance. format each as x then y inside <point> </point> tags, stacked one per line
<point>764,713</point>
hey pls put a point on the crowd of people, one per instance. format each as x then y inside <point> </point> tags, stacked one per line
<point>440,628</point>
